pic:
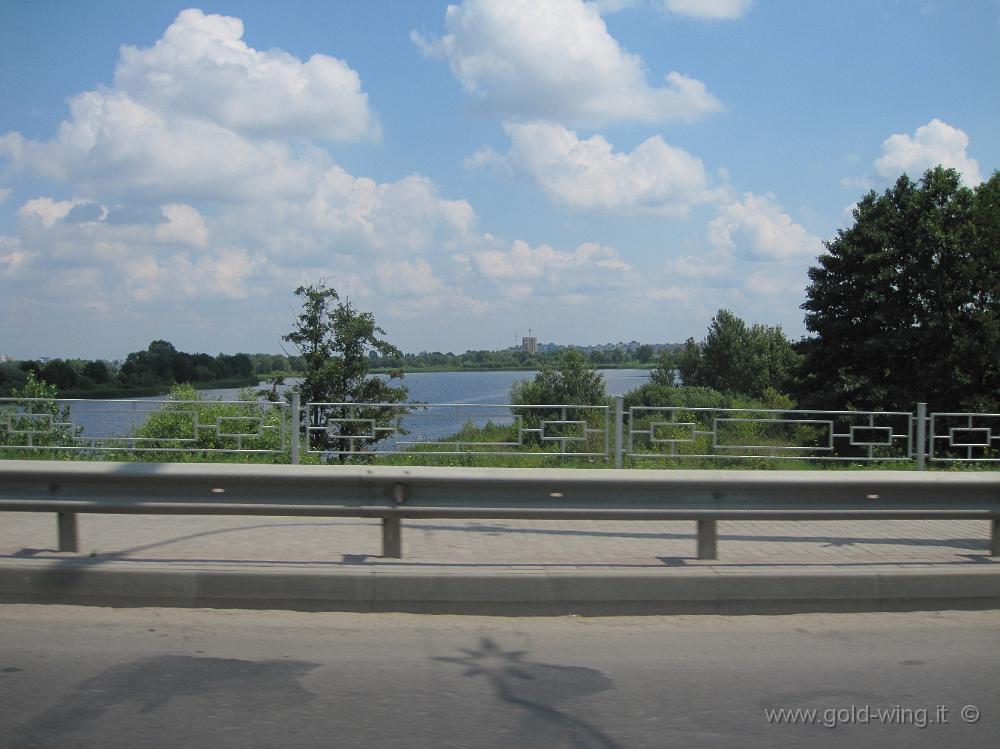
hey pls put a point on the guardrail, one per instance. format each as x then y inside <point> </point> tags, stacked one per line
<point>671,436</point>
<point>394,494</point>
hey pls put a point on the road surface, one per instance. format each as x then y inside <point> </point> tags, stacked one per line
<point>93,677</point>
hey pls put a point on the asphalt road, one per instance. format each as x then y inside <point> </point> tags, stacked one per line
<point>91,677</point>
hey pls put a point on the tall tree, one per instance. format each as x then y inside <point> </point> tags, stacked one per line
<point>905,304</point>
<point>738,358</point>
<point>570,382</point>
<point>335,341</point>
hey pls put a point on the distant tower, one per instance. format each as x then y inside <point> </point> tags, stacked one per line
<point>529,344</point>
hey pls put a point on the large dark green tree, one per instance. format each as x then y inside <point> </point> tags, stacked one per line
<point>905,304</point>
<point>336,341</point>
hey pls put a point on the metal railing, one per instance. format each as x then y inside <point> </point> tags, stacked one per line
<point>393,494</point>
<point>745,434</point>
<point>144,426</point>
<point>668,436</point>
<point>964,437</point>
<point>383,429</point>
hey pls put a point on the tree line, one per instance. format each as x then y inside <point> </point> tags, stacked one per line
<point>511,359</point>
<point>156,368</point>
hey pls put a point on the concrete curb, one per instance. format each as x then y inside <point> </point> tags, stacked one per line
<point>521,593</point>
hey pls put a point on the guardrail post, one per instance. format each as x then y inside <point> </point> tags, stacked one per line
<point>69,538</point>
<point>995,537</point>
<point>619,429</point>
<point>296,425</point>
<point>708,547</point>
<point>921,446</point>
<point>392,537</point>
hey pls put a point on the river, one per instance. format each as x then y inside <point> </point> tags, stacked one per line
<point>107,419</point>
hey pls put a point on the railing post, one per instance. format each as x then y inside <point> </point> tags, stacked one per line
<point>921,446</point>
<point>708,546</point>
<point>619,429</point>
<point>392,537</point>
<point>296,425</point>
<point>69,538</point>
<point>995,537</point>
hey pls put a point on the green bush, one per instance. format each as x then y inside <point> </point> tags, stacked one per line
<point>188,423</point>
<point>34,418</point>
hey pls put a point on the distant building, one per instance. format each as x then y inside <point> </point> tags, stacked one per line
<point>6,358</point>
<point>529,344</point>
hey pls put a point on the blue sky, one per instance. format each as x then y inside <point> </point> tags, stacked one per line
<point>595,171</point>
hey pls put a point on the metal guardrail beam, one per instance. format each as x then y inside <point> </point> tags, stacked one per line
<point>395,493</point>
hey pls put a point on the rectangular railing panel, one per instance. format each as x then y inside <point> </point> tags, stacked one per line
<point>414,429</point>
<point>683,433</point>
<point>144,426</point>
<point>964,438</point>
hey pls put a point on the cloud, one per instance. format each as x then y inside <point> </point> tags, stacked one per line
<point>200,116</point>
<point>45,211</point>
<point>13,257</point>
<point>225,276</point>
<point>113,146</point>
<point>588,175</point>
<point>934,143</point>
<point>403,216</point>
<point>184,225</point>
<point>522,274</point>
<point>756,228</point>
<point>415,290</point>
<point>523,262</point>
<point>194,178</point>
<point>710,10</point>
<point>405,277</point>
<point>556,60</point>
<point>202,68</point>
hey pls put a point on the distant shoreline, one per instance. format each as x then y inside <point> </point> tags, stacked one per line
<point>263,380</point>
<point>428,370</point>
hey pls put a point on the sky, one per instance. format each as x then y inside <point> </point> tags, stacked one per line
<point>592,171</point>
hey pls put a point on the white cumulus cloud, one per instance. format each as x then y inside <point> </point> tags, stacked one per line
<point>757,228</point>
<point>556,60</point>
<point>184,225</point>
<point>589,175</point>
<point>406,215</point>
<point>202,68</point>
<point>113,145</point>
<point>935,143</point>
